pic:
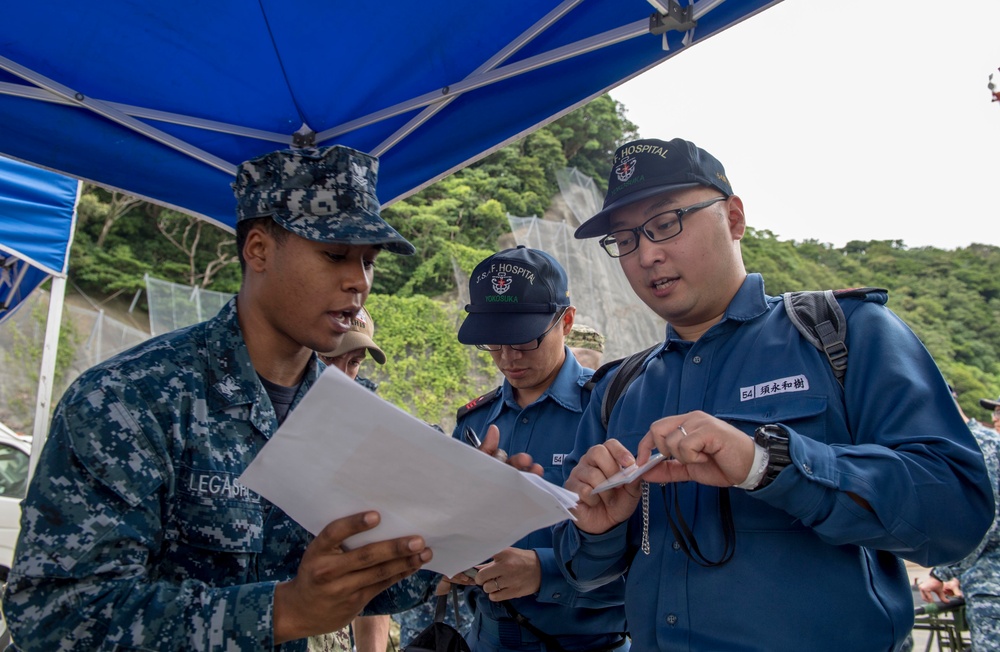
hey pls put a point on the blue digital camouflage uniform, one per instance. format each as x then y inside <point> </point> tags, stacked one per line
<point>135,532</point>
<point>545,430</point>
<point>979,573</point>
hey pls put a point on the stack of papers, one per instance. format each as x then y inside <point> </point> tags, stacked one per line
<point>344,450</point>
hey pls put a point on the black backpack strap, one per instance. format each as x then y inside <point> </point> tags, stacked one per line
<point>441,606</point>
<point>819,318</point>
<point>479,402</point>
<point>624,371</point>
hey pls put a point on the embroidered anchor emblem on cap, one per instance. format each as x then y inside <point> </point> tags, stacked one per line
<point>625,169</point>
<point>501,282</point>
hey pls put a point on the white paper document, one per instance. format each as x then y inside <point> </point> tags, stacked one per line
<point>344,450</point>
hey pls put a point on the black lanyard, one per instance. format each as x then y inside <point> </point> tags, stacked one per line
<point>685,537</point>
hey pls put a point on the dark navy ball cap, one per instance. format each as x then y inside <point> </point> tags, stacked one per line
<point>988,404</point>
<point>645,168</point>
<point>514,295</point>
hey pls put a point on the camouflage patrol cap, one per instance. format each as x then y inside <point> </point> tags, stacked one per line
<point>325,194</point>
<point>585,337</point>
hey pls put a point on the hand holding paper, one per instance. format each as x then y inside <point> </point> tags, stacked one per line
<point>344,450</point>
<point>629,474</point>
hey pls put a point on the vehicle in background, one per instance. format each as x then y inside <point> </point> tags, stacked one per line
<point>15,454</point>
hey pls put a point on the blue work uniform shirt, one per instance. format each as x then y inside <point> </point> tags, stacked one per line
<point>135,531</point>
<point>812,569</point>
<point>546,430</point>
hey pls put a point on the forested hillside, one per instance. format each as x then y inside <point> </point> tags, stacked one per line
<point>951,299</point>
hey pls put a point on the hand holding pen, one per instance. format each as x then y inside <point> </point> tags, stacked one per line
<point>491,446</point>
<point>493,450</point>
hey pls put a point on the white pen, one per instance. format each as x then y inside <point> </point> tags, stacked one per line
<point>629,474</point>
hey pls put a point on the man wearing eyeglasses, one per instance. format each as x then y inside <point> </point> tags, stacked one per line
<point>520,312</point>
<point>785,500</point>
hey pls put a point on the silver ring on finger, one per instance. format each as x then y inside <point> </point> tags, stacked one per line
<point>496,583</point>
<point>683,431</point>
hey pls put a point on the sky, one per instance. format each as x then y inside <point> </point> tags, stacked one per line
<point>840,120</point>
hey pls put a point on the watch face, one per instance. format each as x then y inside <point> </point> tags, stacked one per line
<point>764,435</point>
<point>774,430</point>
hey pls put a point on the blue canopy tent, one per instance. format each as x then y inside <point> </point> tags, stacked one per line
<point>163,101</point>
<point>37,219</point>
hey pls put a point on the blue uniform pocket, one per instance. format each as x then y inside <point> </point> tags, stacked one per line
<point>802,413</point>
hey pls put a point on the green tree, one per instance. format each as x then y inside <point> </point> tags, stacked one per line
<point>950,299</point>
<point>427,371</point>
<point>470,207</point>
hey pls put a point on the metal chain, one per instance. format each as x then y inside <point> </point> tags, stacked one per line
<point>645,516</point>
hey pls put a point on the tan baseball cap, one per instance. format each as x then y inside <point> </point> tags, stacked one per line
<point>360,337</point>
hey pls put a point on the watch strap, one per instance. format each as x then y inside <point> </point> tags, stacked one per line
<point>774,439</point>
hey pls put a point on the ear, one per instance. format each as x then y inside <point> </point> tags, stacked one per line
<point>567,321</point>
<point>257,249</point>
<point>736,217</point>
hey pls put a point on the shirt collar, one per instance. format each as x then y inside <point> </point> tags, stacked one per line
<point>231,376</point>
<point>749,303</point>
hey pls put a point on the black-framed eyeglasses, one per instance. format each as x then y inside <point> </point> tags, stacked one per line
<point>658,228</point>
<point>526,346</point>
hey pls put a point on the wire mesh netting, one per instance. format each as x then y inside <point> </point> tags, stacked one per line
<point>173,306</point>
<point>597,287</point>
<point>88,337</point>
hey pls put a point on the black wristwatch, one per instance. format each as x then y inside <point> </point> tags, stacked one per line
<point>773,439</point>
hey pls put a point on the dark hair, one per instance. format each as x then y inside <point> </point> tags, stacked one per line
<point>266,224</point>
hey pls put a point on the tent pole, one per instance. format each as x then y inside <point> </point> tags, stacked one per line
<point>48,369</point>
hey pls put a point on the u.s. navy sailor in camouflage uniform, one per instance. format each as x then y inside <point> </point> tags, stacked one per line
<point>520,311</point>
<point>136,533</point>
<point>979,573</point>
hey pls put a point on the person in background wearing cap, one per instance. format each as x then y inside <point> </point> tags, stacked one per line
<point>785,501</point>
<point>586,345</point>
<point>977,576</point>
<point>520,312</point>
<point>994,408</point>
<point>136,533</point>
<point>353,348</point>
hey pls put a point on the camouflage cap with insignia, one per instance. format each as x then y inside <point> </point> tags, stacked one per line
<point>585,337</point>
<point>325,194</point>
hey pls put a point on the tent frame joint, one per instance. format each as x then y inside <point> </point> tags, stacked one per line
<point>671,17</point>
<point>304,137</point>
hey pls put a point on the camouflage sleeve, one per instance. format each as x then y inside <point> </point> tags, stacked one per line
<point>84,575</point>
<point>989,443</point>
<point>414,590</point>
